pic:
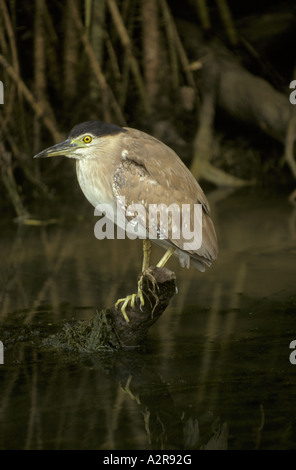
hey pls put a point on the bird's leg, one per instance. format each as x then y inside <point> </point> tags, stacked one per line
<point>132,298</point>
<point>145,265</point>
<point>146,260</point>
<point>146,254</point>
<point>165,257</point>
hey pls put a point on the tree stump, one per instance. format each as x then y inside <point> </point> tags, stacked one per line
<point>108,330</point>
<point>159,285</point>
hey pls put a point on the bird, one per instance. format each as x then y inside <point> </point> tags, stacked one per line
<point>122,168</point>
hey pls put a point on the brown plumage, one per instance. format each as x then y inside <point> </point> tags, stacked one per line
<point>114,162</point>
<point>151,173</point>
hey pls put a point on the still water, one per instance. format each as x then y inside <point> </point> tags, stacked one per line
<point>215,371</point>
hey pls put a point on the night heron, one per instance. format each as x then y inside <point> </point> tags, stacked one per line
<point>121,167</point>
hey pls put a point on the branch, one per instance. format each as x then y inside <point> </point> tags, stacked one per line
<point>107,92</point>
<point>37,107</point>
<point>126,42</point>
<point>10,185</point>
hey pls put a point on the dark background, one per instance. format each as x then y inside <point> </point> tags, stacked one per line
<point>211,79</point>
<point>61,65</point>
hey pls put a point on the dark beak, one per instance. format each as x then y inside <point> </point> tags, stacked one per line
<point>63,149</point>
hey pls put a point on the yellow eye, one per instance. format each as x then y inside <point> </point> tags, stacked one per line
<point>87,139</point>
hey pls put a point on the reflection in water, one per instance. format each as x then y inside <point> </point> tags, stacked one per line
<point>106,402</point>
<point>215,371</point>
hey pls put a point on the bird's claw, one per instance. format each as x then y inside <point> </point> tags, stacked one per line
<point>132,299</point>
<point>140,291</point>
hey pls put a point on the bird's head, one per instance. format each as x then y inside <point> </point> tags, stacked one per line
<point>84,141</point>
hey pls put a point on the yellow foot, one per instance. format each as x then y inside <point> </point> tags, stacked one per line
<point>132,299</point>
<point>140,291</point>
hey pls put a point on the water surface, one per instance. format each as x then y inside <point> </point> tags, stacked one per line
<point>215,370</point>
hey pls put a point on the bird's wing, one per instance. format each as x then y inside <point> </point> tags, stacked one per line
<point>163,164</point>
<point>152,173</point>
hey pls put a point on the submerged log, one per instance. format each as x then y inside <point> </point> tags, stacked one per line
<point>108,330</point>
